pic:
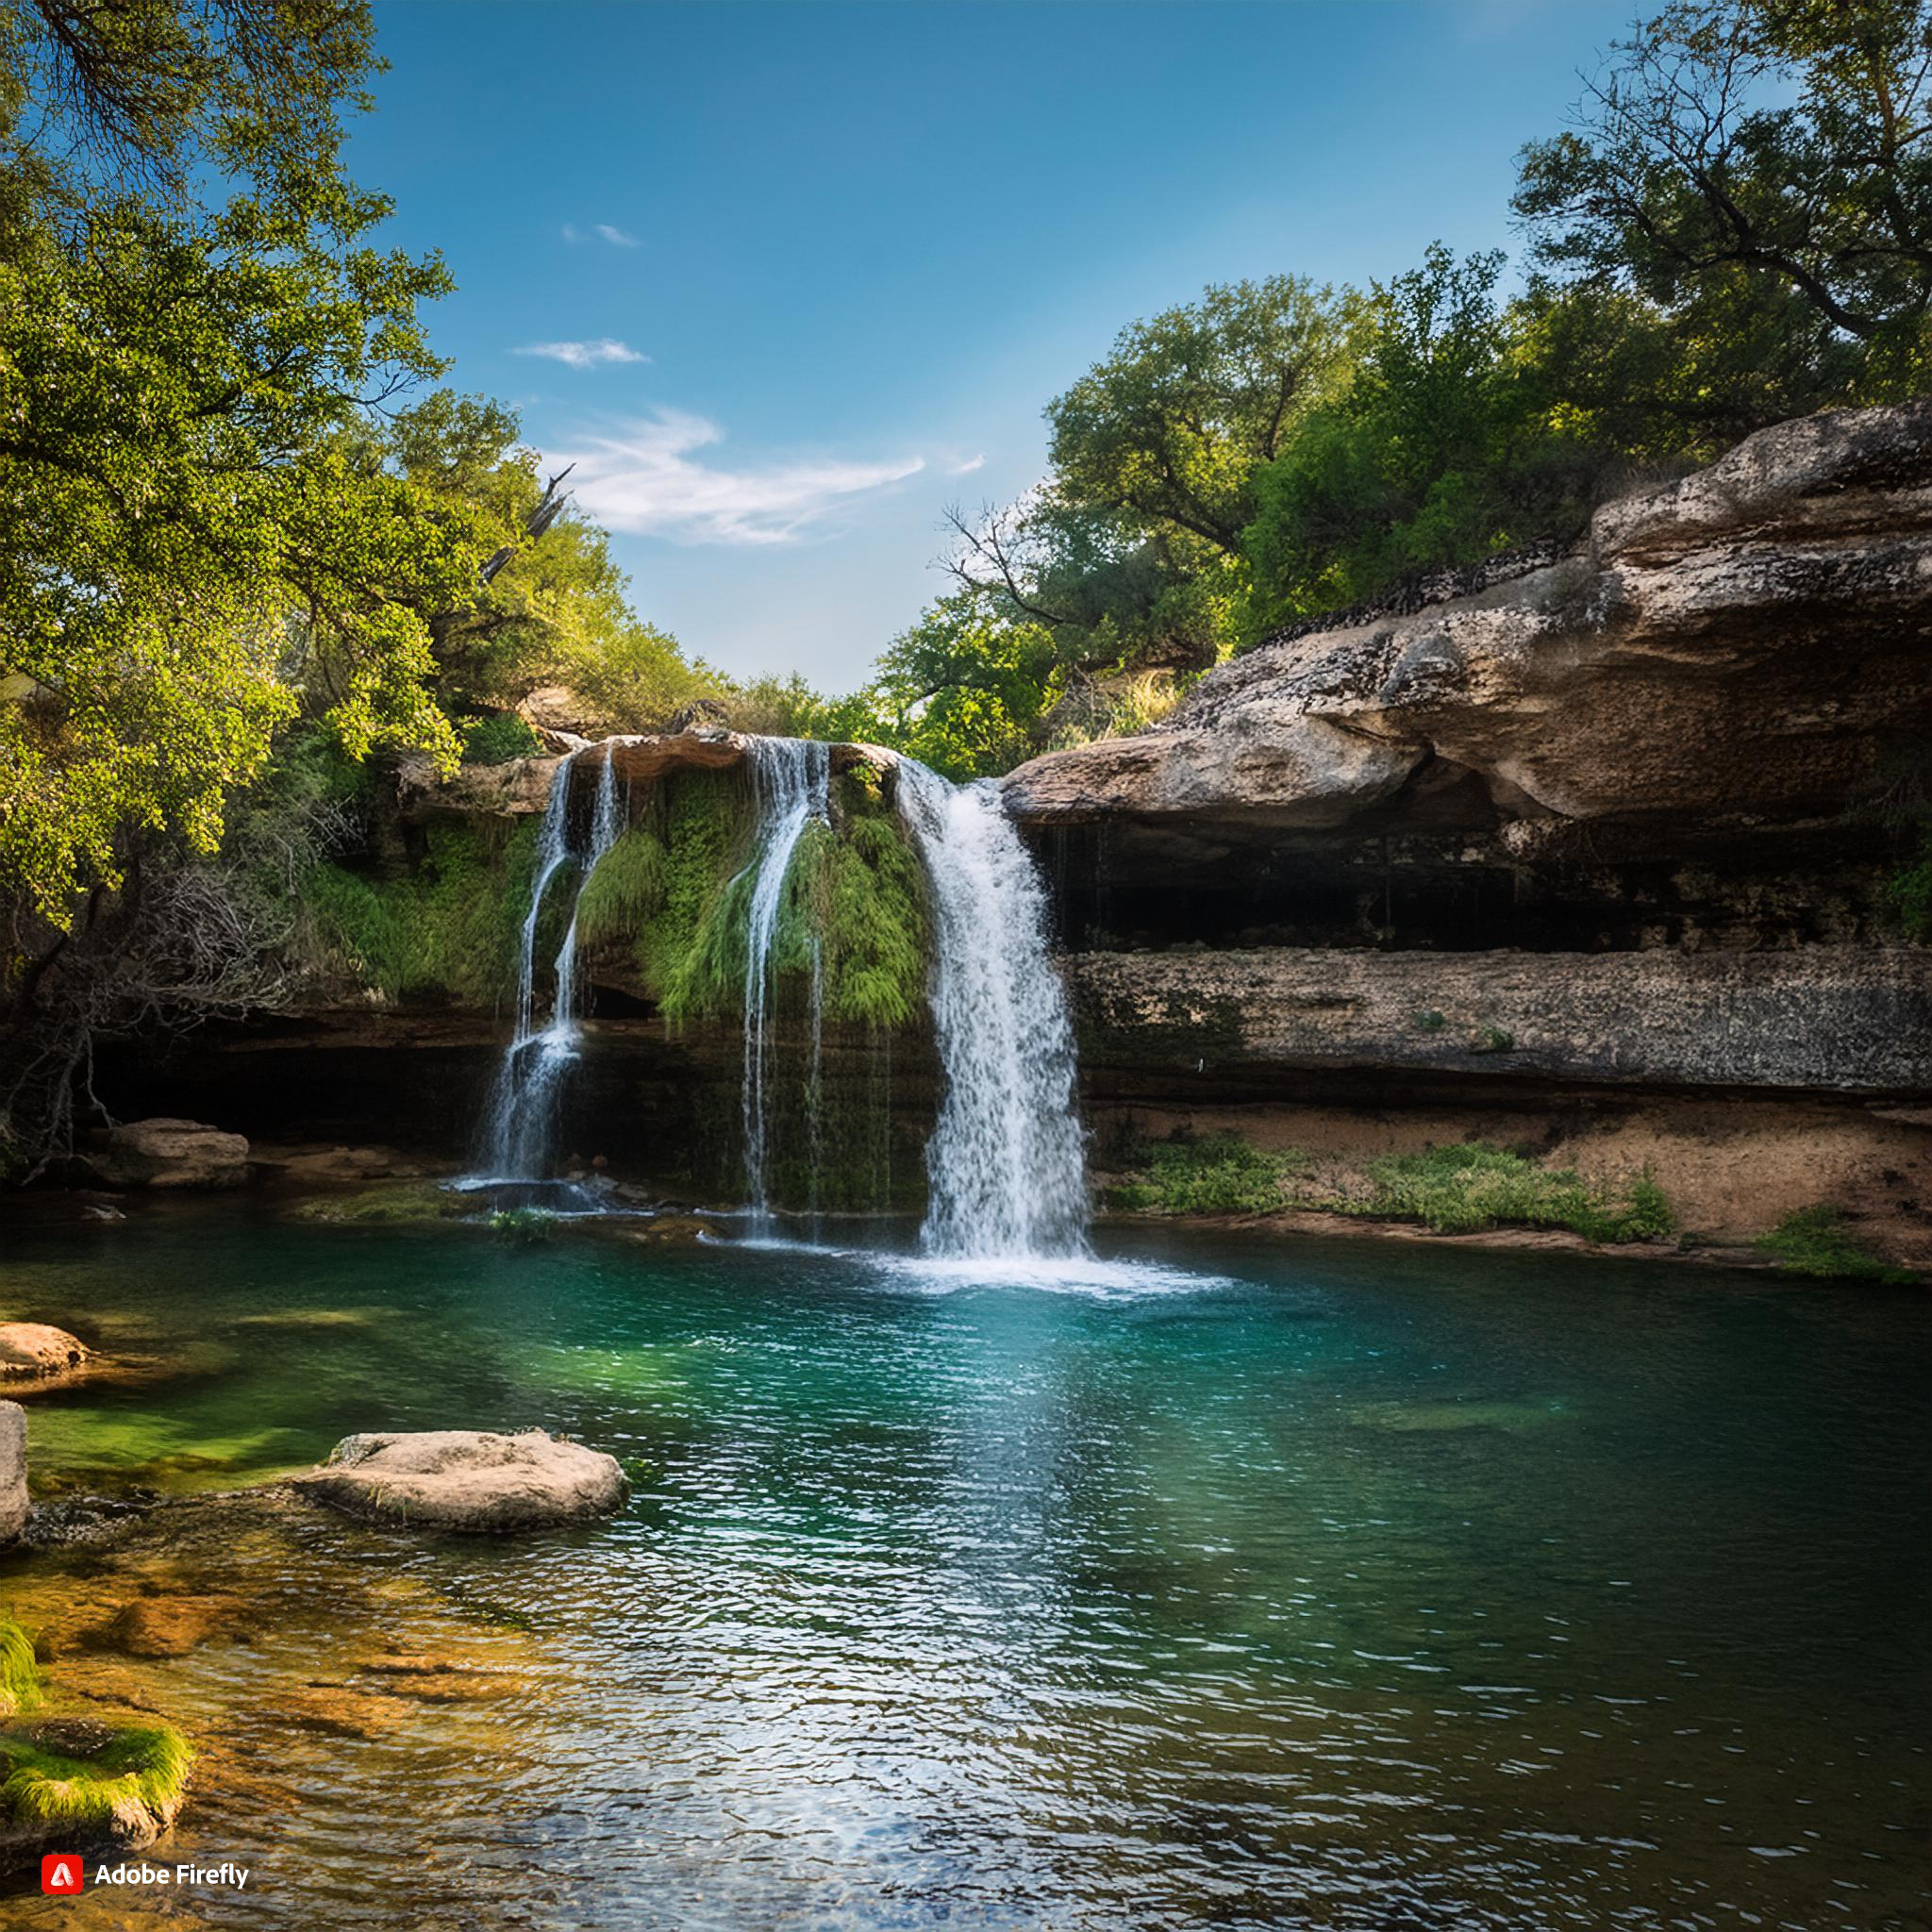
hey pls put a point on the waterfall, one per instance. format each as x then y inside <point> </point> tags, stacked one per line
<point>1005,1163</point>
<point>534,1064</point>
<point>791,779</point>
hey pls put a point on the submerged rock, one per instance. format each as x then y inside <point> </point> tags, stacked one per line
<point>166,1152</point>
<point>34,1351</point>
<point>167,1624</point>
<point>470,1479</point>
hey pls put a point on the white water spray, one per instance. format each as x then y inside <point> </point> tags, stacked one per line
<point>792,780</point>
<point>1005,1165</point>
<point>535,1061</point>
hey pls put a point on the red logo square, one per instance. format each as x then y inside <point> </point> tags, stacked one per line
<point>60,1872</point>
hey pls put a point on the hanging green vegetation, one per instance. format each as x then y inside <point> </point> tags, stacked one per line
<point>678,887</point>
<point>448,930</point>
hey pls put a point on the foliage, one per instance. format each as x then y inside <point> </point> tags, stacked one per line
<point>177,518</point>
<point>1737,146</point>
<point>856,895</point>
<point>1445,444</point>
<point>634,677</point>
<point>1815,1241</point>
<point>1466,1187</point>
<point>498,739</point>
<point>20,1674</point>
<point>679,888</point>
<point>450,929</point>
<point>1168,430</point>
<point>1218,1173</point>
<point>522,1227</point>
<point>963,686</point>
<point>1909,891</point>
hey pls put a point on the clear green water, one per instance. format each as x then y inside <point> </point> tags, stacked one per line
<point>1352,1585</point>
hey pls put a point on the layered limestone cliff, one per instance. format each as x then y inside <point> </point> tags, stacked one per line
<point>1622,820</point>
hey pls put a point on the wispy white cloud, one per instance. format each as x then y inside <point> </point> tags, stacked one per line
<point>600,231</point>
<point>646,477</point>
<point>967,468</point>
<point>585,355</point>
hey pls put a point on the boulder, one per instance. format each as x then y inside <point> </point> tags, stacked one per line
<point>470,1479</point>
<point>33,1350</point>
<point>13,1496</point>
<point>171,1153</point>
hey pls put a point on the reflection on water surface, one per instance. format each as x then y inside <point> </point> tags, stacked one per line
<point>1337,1586</point>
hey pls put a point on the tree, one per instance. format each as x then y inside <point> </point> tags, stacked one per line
<point>1454,438</point>
<point>182,516</point>
<point>963,689</point>
<point>1742,150</point>
<point>1167,431</point>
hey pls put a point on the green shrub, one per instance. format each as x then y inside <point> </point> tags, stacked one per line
<point>498,739</point>
<point>1429,1021</point>
<point>678,887</point>
<point>452,928</point>
<point>1465,1188</point>
<point>1908,890</point>
<point>1815,1241</point>
<point>1221,1173</point>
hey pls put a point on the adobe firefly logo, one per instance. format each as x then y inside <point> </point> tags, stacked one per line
<point>62,1873</point>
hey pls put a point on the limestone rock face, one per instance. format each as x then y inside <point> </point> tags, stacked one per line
<point>171,1153</point>
<point>1750,645</point>
<point>469,1479</point>
<point>520,788</point>
<point>1842,1020</point>
<point>13,1497</point>
<point>34,1351</point>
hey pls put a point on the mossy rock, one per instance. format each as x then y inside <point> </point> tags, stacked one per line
<point>98,1781</point>
<point>395,1203</point>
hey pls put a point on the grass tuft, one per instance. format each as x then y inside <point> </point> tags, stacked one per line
<point>1815,1241</point>
<point>20,1674</point>
<point>1219,1174</point>
<point>106,1766</point>
<point>1465,1188</point>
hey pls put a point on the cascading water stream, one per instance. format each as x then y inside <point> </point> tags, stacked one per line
<point>534,1064</point>
<point>791,779</point>
<point>1005,1165</point>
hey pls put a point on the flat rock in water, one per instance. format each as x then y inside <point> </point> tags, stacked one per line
<point>31,1350</point>
<point>469,1479</point>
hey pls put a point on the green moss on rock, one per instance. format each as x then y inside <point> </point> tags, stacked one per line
<point>678,888</point>
<point>74,1780</point>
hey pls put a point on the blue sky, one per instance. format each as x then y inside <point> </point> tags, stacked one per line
<point>787,280</point>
